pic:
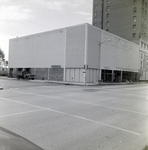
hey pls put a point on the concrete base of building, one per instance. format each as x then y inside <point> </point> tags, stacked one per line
<point>42,73</point>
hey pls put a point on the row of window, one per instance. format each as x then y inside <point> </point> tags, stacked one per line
<point>144,12</point>
<point>144,3</point>
<point>143,20</point>
<point>143,28</point>
<point>107,18</point>
<point>134,36</point>
<point>144,45</point>
<point>144,8</point>
<point>134,27</point>
<point>95,13</point>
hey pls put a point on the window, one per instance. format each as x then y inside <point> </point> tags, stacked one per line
<point>145,14</point>
<point>141,65</point>
<point>108,8</point>
<point>142,11</point>
<point>135,2</point>
<point>95,14</point>
<point>134,27</point>
<point>134,35</point>
<point>95,7</point>
<point>95,19</point>
<point>107,23</point>
<point>142,19</point>
<point>107,1</point>
<point>107,29</point>
<point>145,5</point>
<point>96,2</point>
<point>142,27</point>
<point>142,2</point>
<point>134,10</point>
<point>145,22</point>
<point>134,18</point>
<point>142,44</point>
<point>107,16</point>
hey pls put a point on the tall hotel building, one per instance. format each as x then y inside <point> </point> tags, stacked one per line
<point>125,18</point>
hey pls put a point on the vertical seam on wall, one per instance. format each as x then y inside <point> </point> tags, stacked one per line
<point>65,40</point>
<point>86,47</point>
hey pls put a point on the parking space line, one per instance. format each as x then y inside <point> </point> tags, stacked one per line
<point>87,103</point>
<point>75,116</point>
<point>16,114</point>
<point>13,101</point>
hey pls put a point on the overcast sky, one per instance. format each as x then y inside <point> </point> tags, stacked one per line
<point>24,17</point>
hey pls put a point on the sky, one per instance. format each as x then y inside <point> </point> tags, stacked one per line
<point>25,17</point>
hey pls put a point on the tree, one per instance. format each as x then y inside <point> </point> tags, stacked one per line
<point>6,63</point>
<point>2,54</point>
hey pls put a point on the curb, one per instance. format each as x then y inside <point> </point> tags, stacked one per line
<point>87,84</point>
<point>72,83</point>
<point>78,84</point>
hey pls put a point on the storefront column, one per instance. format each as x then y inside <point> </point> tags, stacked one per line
<point>100,75</point>
<point>112,75</point>
<point>121,75</point>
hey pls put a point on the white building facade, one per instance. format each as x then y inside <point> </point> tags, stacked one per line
<point>80,54</point>
<point>143,57</point>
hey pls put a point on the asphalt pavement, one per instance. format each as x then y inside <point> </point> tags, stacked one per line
<point>66,117</point>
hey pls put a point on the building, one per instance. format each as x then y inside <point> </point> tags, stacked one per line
<point>127,19</point>
<point>80,54</point>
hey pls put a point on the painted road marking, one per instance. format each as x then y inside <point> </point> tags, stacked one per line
<point>74,116</point>
<point>87,103</point>
<point>27,112</point>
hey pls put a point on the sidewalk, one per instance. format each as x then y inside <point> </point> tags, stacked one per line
<point>62,82</point>
<point>76,83</point>
<point>87,84</point>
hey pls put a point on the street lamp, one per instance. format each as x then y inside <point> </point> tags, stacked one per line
<point>107,40</point>
<point>99,66</point>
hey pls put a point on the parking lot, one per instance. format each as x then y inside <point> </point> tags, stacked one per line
<point>66,117</point>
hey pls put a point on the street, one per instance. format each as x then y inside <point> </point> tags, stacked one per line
<point>66,117</point>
